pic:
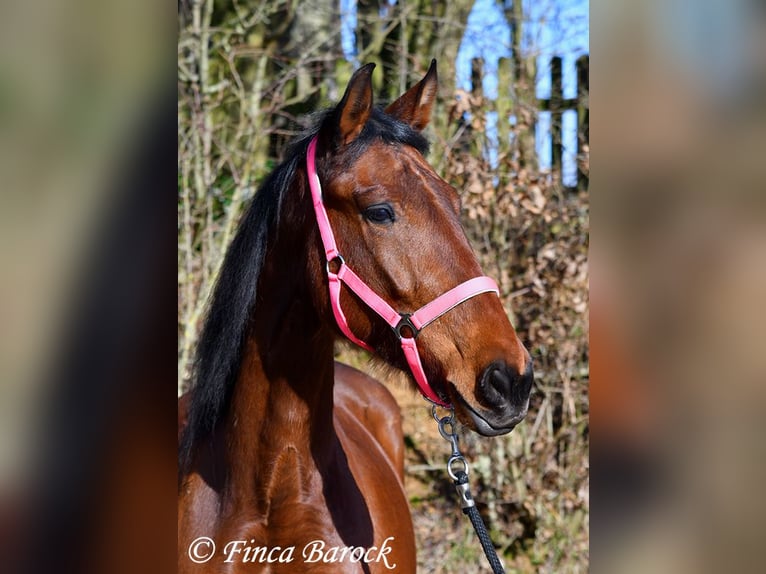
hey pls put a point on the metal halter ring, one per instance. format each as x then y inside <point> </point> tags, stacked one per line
<point>406,323</point>
<point>449,418</point>
<point>340,261</point>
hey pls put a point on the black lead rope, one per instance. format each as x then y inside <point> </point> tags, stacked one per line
<point>470,510</point>
<point>460,479</point>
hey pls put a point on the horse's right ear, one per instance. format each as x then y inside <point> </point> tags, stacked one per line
<point>353,110</point>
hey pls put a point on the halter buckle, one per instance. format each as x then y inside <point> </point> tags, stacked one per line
<point>406,323</point>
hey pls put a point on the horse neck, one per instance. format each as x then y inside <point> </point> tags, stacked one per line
<point>283,399</point>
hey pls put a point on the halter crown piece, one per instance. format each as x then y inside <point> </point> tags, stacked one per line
<point>407,326</point>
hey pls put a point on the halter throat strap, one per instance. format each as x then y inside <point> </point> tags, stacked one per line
<point>406,326</point>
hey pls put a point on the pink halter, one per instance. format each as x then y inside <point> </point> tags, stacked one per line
<point>403,324</point>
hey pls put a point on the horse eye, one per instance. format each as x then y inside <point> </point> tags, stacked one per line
<point>380,213</point>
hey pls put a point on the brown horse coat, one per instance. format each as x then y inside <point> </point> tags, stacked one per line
<point>288,462</point>
<point>367,422</point>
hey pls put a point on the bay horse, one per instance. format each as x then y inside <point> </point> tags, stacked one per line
<point>288,461</point>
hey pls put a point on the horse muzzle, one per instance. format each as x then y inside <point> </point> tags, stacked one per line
<point>502,399</point>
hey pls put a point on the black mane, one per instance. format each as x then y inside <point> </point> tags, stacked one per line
<point>219,350</point>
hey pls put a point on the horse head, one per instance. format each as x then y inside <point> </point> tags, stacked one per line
<point>397,225</point>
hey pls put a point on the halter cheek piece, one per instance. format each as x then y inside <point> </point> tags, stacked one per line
<point>407,326</point>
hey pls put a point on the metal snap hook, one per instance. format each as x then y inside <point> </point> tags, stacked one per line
<point>459,459</point>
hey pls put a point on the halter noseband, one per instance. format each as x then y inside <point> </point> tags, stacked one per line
<point>407,326</point>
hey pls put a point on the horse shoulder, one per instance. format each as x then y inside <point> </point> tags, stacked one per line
<point>373,405</point>
<point>368,423</point>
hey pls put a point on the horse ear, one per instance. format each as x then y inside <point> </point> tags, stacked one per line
<point>355,107</point>
<point>414,106</point>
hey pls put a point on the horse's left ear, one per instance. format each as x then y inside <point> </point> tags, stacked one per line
<point>414,106</point>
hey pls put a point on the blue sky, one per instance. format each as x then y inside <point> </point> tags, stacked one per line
<point>555,27</point>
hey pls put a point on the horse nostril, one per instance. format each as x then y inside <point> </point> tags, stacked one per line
<point>501,384</point>
<point>496,383</point>
<point>500,378</point>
